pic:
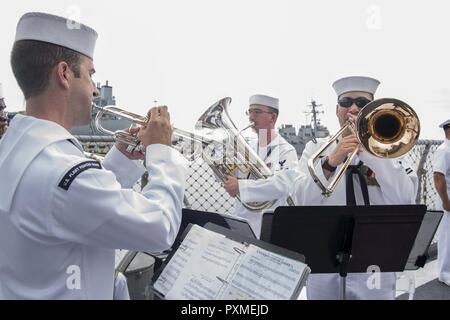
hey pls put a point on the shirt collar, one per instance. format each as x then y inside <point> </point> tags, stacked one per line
<point>24,140</point>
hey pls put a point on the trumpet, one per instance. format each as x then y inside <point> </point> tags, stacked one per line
<point>188,144</point>
<point>386,128</point>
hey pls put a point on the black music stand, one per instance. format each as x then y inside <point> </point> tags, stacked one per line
<point>227,221</point>
<point>201,218</point>
<point>240,238</point>
<point>343,239</point>
<point>420,251</point>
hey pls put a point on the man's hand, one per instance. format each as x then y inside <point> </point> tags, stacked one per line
<point>158,130</point>
<point>345,146</point>
<point>231,185</point>
<point>134,155</point>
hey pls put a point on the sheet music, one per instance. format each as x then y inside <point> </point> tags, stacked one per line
<point>119,255</point>
<point>264,275</point>
<point>208,266</point>
<point>189,271</point>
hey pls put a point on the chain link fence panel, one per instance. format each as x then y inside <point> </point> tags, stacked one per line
<point>205,193</point>
<point>421,158</point>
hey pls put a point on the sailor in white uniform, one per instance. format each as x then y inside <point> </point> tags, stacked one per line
<point>387,181</point>
<point>63,215</point>
<point>441,173</point>
<point>279,156</point>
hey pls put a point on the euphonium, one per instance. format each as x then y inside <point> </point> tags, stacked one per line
<point>234,153</point>
<point>386,128</point>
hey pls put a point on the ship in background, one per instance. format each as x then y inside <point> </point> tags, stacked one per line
<point>110,122</point>
<point>306,133</point>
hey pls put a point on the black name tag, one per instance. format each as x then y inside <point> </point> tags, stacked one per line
<point>75,171</point>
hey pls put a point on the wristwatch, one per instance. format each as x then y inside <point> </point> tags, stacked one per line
<point>327,166</point>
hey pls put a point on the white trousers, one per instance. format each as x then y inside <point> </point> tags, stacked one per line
<point>444,248</point>
<point>121,288</point>
<point>359,286</point>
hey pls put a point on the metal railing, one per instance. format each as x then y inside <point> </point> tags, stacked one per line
<point>205,193</point>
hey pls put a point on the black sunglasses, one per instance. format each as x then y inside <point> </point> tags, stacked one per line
<point>347,102</point>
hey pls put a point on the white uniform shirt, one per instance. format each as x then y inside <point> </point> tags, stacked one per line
<point>398,184</point>
<point>282,160</point>
<point>61,217</point>
<point>441,162</point>
<point>398,181</point>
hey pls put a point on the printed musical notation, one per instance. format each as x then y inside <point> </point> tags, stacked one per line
<point>208,266</point>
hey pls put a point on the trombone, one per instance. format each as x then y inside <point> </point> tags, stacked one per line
<point>386,128</point>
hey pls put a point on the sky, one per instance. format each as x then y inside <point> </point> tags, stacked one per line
<point>187,54</point>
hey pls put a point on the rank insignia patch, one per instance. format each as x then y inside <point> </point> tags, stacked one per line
<point>70,176</point>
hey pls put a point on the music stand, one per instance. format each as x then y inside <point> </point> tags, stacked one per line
<point>343,239</point>
<point>419,253</point>
<point>227,221</point>
<point>201,218</point>
<point>247,260</point>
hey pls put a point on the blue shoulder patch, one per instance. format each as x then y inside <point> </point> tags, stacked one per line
<point>68,178</point>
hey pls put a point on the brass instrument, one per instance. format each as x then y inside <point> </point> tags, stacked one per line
<point>386,128</point>
<point>234,153</point>
<point>132,140</point>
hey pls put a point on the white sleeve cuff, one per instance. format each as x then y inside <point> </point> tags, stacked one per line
<point>127,171</point>
<point>161,152</point>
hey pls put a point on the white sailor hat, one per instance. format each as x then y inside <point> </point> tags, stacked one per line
<point>348,84</point>
<point>57,30</point>
<point>445,124</point>
<point>264,100</point>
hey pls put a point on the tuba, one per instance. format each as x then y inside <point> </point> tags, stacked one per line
<point>386,128</point>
